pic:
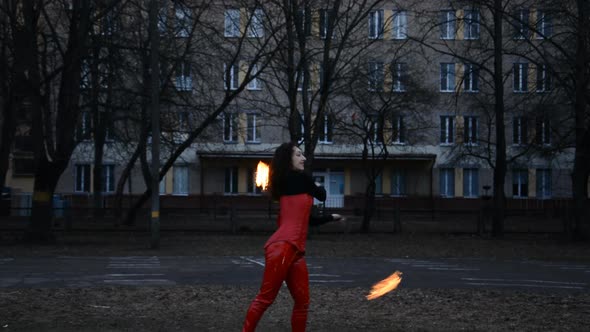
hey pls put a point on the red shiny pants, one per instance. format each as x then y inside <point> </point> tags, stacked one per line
<point>283,262</point>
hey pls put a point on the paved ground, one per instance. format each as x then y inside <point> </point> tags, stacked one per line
<point>70,271</point>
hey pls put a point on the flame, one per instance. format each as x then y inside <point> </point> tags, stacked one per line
<point>385,286</point>
<point>262,175</point>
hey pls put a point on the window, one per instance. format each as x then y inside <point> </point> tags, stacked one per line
<point>232,23</point>
<point>379,184</point>
<point>448,24</point>
<point>301,132</point>
<point>108,178</point>
<point>446,130</point>
<point>519,130</point>
<point>82,178</point>
<point>470,182</point>
<point>544,24</point>
<point>376,76</point>
<point>180,180</point>
<point>231,180</point>
<point>253,134</point>
<point>84,130</point>
<point>470,130</point>
<point>376,24</point>
<point>183,20</point>
<point>252,188</point>
<point>471,78</point>
<point>520,74</point>
<point>521,26</point>
<point>162,186</point>
<point>399,74</point>
<point>162,20</point>
<point>375,128</point>
<point>184,80</point>
<point>447,182</point>
<point>85,75</point>
<point>325,127</point>
<point>303,21</point>
<point>520,183</point>
<point>254,83</point>
<point>447,77</point>
<point>327,20</point>
<point>544,183</point>
<point>399,130</point>
<point>230,127</point>
<point>23,166</point>
<point>398,182</point>
<point>300,79</point>
<point>256,27</point>
<point>471,20</point>
<point>230,77</point>
<point>400,24</point>
<point>109,23</point>
<point>543,132</point>
<point>543,79</point>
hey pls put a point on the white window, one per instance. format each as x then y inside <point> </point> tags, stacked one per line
<point>252,188</point>
<point>376,24</point>
<point>446,130</point>
<point>471,20</point>
<point>398,74</point>
<point>253,130</point>
<point>447,77</point>
<point>232,23</point>
<point>398,182</point>
<point>327,20</point>
<point>375,129</point>
<point>108,178</point>
<point>520,75</point>
<point>256,27</point>
<point>399,130</point>
<point>470,182</point>
<point>543,131</point>
<point>82,178</point>
<point>231,180</point>
<point>376,76</point>
<point>230,77</point>
<point>85,75</point>
<point>544,24</point>
<point>521,26</point>
<point>544,183</point>
<point>519,131</point>
<point>471,78</point>
<point>400,24</point>
<point>325,127</point>
<point>543,79</point>
<point>184,80</point>
<point>448,24</point>
<point>470,130</point>
<point>84,130</point>
<point>230,127</point>
<point>520,183</point>
<point>447,182</point>
<point>300,79</point>
<point>183,20</point>
<point>180,180</point>
<point>254,83</point>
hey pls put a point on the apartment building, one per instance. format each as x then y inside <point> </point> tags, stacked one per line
<point>411,103</point>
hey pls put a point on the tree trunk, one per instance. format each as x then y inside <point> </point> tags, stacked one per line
<point>500,165</point>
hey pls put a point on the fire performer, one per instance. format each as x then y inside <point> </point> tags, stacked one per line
<point>285,249</point>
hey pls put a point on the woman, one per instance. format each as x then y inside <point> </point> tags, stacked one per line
<point>285,249</point>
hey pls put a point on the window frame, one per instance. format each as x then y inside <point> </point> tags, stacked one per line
<point>446,182</point>
<point>520,72</point>
<point>376,24</point>
<point>231,27</point>
<point>252,127</point>
<point>230,127</point>
<point>447,77</point>
<point>472,24</point>
<point>447,128</point>
<point>448,24</point>
<point>399,29</point>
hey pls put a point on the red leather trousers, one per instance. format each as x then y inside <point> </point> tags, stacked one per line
<point>283,262</point>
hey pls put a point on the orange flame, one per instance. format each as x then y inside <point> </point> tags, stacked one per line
<point>262,175</point>
<point>385,286</point>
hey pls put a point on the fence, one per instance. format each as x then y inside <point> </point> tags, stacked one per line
<point>258,213</point>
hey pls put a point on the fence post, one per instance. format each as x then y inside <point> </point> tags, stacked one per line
<point>232,219</point>
<point>397,222</point>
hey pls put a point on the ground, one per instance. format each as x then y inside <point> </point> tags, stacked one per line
<point>222,308</point>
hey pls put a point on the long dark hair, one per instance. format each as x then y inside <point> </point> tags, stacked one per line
<point>279,168</point>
